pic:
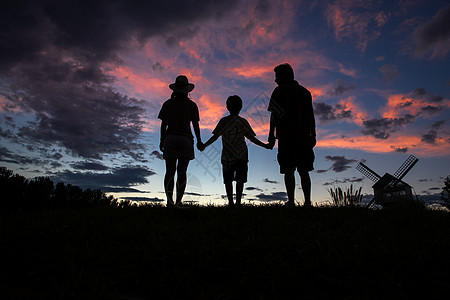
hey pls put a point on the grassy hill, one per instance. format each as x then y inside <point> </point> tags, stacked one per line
<point>220,253</point>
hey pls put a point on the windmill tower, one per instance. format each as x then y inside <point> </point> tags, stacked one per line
<point>390,188</point>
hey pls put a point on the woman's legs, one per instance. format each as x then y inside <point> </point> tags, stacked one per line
<point>181,178</point>
<point>171,166</point>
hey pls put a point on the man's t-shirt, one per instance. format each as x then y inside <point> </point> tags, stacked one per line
<point>178,113</point>
<point>291,105</point>
<point>234,130</point>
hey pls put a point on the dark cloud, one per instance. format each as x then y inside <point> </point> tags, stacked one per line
<point>344,181</point>
<point>325,112</point>
<point>116,178</point>
<point>267,180</point>
<point>340,163</point>
<point>341,88</point>
<point>421,93</point>
<point>142,199</point>
<point>252,188</point>
<point>10,157</point>
<point>55,57</point>
<point>275,196</point>
<point>431,136</point>
<point>89,165</point>
<point>400,149</point>
<point>157,154</point>
<point>121,190</point>
<point>390,72</point>
<point>321,171</point>
<point>381,128</point>
<point>433,38</point>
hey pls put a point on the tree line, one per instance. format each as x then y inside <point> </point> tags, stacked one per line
<point>19,193</point>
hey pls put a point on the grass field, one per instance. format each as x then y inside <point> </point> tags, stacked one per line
<point>219,253</point>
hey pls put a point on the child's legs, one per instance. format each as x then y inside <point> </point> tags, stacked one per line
<point>229,190</point>
<point>239,190</point>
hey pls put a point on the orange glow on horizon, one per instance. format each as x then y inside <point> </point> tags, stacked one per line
<point>371,144</point>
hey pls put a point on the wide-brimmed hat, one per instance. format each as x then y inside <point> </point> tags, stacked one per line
<point>181,85</point>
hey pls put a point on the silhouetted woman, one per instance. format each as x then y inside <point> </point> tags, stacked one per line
<point>177,141</point>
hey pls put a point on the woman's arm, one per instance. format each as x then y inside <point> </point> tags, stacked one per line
<point>197,134</point>
<point>163,135</point>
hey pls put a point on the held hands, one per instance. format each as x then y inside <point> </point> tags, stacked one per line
<point>267,146</point>
<point>200,146</point>
<point>271,142</point>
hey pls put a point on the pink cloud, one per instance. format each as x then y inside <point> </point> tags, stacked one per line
<point>371,144</point>
<point>352,19</point>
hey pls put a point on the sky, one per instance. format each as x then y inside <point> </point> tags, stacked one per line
<point>82,82</point>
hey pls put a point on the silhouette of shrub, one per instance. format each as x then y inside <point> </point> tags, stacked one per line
<point>349,197</point>
<point>20,193</point>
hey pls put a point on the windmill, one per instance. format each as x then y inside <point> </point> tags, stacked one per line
<point>389,188</point>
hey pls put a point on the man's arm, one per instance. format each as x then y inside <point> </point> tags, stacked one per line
<point>312,124</point>
<point>271,139</point>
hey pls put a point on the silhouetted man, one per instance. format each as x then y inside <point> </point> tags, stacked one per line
<point>292,123</point>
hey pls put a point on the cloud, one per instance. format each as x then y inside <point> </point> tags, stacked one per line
<point>252,188</point>
<point>275,196</point>
<point>326,113</point>
<point>432,38</point>
<point>340,163</point>
<point>422,94</point>
<point>117,178</point>
<point>381,128</point>
<point>341,88</point>
<point>89,165</point>
<point>142,199</point>
<point>400,149</point>
<point>121,190</point>
<point>431,136</point>
<point>157,155</point>
<point>359,21</point>
<point>390,72</point>
<point>57,68</point>
<point>10,157</point>
<point>344,181</point>
<point>267,180</point>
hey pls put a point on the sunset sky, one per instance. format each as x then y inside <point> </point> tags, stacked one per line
<point>82,82</point>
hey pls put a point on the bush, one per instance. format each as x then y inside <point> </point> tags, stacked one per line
<point>20,193</point>
<point>350,197</point>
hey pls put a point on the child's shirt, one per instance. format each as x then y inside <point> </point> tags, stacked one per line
<point>234,129</point>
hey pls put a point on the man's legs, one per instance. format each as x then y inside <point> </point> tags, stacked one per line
<point>181,178</point>
<point>289,182</point>
<point>171,165</point>
<point>306,186</point>
<point>229,191</point>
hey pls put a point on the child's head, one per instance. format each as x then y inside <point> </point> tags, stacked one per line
<point>234,104</point>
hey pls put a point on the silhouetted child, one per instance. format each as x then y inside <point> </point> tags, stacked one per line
<point>234,129</point>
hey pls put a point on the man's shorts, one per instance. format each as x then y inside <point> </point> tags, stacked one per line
<point>235,171</point>
<point>295,157</point>
<point>178,146</point>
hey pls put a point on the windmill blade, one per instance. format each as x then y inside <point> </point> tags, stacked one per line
<point>405,167</point>
<point>368,172</point>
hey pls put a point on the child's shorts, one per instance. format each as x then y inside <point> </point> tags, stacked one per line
<point>235,171</point>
